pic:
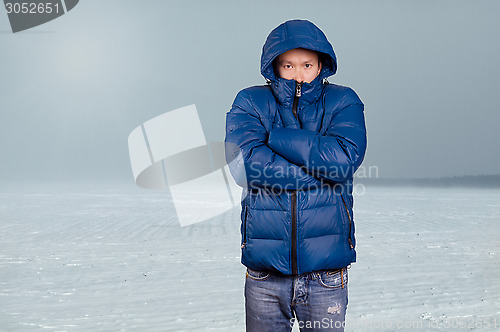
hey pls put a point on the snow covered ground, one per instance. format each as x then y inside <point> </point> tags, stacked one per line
<point>115,259</point>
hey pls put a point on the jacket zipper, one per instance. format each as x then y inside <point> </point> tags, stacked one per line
<point>350,222</point>
<point>298,93</point>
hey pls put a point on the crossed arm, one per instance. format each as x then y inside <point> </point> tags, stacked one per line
<point>287,158</point>
<point>334,156</point>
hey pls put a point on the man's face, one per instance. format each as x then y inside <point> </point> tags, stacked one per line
<point>298,64</point>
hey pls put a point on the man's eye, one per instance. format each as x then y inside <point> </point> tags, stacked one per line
<point>308,65</point>
<point>288,66</point>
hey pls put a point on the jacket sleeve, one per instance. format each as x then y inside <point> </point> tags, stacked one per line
<point>336,155</point>
<point>251,162</point>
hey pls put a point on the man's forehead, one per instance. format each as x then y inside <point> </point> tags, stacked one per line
<point>286,60</point>
<point>307,55</point>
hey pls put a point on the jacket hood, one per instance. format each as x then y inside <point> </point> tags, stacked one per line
<point>294,34</point>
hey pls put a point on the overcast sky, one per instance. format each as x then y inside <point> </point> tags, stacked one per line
<point>74,88</point>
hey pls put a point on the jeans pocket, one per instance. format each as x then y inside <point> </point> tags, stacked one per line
<point>257,275</point>
<point>332,279</point>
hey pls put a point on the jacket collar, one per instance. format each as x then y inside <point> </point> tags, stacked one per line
<point>284,91</point>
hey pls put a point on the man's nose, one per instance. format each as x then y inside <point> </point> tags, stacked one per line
<point>298,77</point>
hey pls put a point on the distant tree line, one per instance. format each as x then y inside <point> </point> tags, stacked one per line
<point>479,181</point>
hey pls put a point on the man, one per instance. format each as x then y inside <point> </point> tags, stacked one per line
<point>294,145</point>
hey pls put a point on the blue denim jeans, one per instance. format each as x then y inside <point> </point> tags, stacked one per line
<point>316,300</point>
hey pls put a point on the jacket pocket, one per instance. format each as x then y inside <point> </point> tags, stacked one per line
<point>244,228</point>
<point>349,235</point>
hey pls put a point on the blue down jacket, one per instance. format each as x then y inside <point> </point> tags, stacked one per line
<point>294,150</point>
